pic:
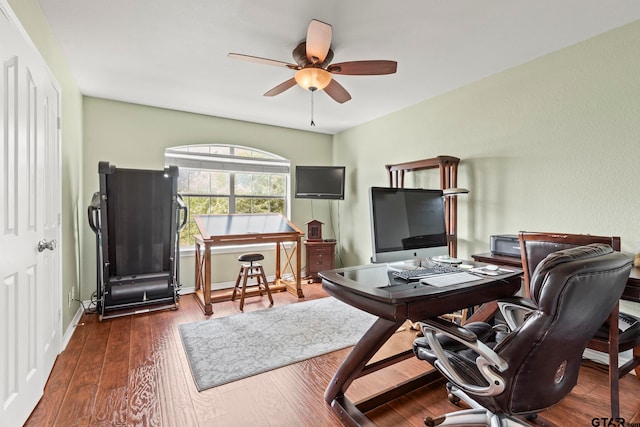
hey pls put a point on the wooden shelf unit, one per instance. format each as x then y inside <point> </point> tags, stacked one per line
<point>448,168</point>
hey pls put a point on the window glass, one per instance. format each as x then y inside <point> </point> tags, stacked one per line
<point>198,182</point>
<point>220,182</point>
<point>277,185</point>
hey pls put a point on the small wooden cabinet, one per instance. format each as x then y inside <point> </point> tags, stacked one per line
<point>320,257</point>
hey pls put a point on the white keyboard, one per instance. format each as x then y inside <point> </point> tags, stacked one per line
<point>440,280</point>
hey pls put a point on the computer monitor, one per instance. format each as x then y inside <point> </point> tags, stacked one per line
<point>407,223</point>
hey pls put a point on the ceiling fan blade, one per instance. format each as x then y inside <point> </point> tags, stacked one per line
<point>364,68</point>
<point>281,87</point>
<point>265,61</point>
<point>337,92</point>
<point>318,41</point>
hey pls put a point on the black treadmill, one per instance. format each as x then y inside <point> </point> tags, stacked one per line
<point>137,217</point>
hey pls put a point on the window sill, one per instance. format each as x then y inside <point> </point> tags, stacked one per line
<point>230,249</point>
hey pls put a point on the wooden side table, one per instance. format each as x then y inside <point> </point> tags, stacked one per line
<point>320,256</point>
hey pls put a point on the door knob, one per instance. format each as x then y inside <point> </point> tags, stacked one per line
<point>43,244</point>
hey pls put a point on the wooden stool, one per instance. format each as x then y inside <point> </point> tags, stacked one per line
<point>252,269</point>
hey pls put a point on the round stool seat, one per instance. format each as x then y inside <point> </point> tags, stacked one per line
<point>249,270</point>
<point>250,257</point>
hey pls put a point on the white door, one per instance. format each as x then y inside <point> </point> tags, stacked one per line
<point>30,273</point>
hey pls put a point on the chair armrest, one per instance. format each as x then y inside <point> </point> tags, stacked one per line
<point>515,310</point>
<point>451,329</point>
<point>488,361</point>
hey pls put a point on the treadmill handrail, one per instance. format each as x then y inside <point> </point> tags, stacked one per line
<point>183,208</point>
<point>92,209</point>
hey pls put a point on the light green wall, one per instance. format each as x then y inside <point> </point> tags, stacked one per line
<point>34,22</point>
<point>551,145</point>
<point>134,136</point>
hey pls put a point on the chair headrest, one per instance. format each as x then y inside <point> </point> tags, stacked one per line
<point>560,257</point>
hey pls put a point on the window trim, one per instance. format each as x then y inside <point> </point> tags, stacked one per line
<point>222,162</point>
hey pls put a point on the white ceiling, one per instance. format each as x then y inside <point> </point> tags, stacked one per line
<point>173,54</point>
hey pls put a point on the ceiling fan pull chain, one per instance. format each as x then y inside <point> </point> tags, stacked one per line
<point>312,122</point>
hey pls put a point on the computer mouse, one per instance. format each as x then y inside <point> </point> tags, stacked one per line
<point>491,267</point>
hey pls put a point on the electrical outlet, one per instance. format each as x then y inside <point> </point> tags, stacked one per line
<point>73,294</point>
<point>69,302</point>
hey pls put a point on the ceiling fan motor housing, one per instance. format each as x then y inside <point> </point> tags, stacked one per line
<point>300,57</point>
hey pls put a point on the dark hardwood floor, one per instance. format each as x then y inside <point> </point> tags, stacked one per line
<point>133,371</point>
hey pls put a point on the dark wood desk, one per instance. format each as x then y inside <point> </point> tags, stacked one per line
<point>489,258</point>
<point>245,229</point>
<point>372,289</point>
<point>631,292</point>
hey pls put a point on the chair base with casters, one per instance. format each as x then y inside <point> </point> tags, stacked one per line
<point>475,415</point>
<point>250,269</point>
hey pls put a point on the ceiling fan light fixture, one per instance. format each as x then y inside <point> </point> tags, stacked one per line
<point>313,78</point>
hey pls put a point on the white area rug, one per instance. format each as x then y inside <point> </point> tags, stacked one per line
<point>227,349</point>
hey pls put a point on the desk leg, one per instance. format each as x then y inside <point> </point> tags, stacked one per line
<point>198,271</point>
<point>356,365</point>
<point>614,368</point>
<point>353,366</point>
<point>206,291</point>
<point>278,273</point>
<point>203,277</point>
<point>293,286</point>
<point>298,267</point>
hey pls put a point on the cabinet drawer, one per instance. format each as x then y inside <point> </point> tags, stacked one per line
<point>320,261</point>
<point>320,249</point>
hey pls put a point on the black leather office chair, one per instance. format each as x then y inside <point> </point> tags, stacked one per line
<point>534,247</point>
<point>535,366</point>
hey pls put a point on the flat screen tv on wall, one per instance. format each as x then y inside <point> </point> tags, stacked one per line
<point>320,182</point>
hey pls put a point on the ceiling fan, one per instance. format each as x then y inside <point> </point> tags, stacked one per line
<point>314,68</point>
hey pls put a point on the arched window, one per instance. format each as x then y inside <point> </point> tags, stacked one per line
<point>226,179</point>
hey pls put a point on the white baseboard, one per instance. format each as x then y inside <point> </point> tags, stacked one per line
<point>71,328</point>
